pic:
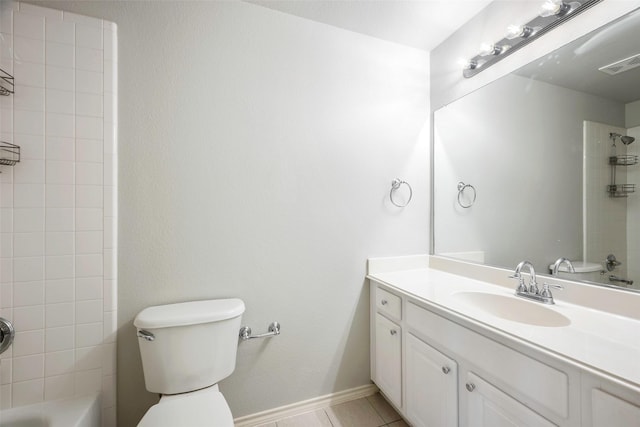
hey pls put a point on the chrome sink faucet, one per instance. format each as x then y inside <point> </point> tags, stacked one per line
<point>532,291</point>
<point>558,263</point>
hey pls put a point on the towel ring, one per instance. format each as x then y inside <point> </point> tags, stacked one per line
<point>461,187</point>
<point>395,184</point>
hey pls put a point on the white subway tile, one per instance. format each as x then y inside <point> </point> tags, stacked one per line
<point>59,315</point>
<point>28,293</point>
<point>7,120</point>
<point>28,98</point>
<point>59,267</point>
<point>110,42</point>
<point>89,127</point>
<point>6,271</point>
<point>6,220</point>
<point>60,125</point>
<point>89,173</point>
<point>110,233</point>
<point>110,77</point>
<point>6,295</point>
<point>60,101</point>
<point>6,47</point>
<point>60,148</point>
<point>88,288</point>
<point>89,59</point>
<point>28,269</point>
<point>88,382</point>
<point>28,122</point>
<point>6,195</point>
<point>59,78</point>
<point>28,342</point>
<point>88,104</point>
<point>88,150</point>
<point>89,265</point>
<point>29,171</point>
<point>89,334</point>
<point>57,291</point>
<point>110,264</point>
<point>60,172</point>
<point>88,242</point>
<point>27,392</point>
<point>31,146</point>
<point>89,196</point>
<point>27,219</point>
<point>29,50</point>
<point>6,368</point>
<point>58,363</point>
<point>60,32</point>
<point>28,244</point>
<point>59,387</point>
<point>27,25</point>
<point>28,318</point>
<point>59,196</point>
<point>60,55</point>
<point>28,74</point>
<point>109,359</point>
<point>81,19</point>
<point>59,243</point>
<point>6,17</point>
<point>59,219</point>
<point>5,390</point>
<point>88,219</point>
<point>28,367</point>
<point>89,36</point>
<point>28,195</point>
<point>88,358</point>
<point>58,339</point>
<point>49,14</point>
<point>6,245</point>
<point>109,109</point>
<point>110,325</point>
<point>89,311</point>
<point>89,81</point>
<point>110,295</point>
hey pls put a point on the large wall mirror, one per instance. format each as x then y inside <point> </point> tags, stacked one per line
<point>541,164</point>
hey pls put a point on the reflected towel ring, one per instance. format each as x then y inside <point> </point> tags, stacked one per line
<point>461,187</point>
<point>395,184</point>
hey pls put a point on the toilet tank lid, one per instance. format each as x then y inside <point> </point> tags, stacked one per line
<point>188,313</point>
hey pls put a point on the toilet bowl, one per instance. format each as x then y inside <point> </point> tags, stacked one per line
<point>186,349</point>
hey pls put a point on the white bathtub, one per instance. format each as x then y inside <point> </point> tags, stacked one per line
<point>76,412</point>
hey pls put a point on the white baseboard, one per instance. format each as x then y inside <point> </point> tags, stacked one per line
<point>298,408</point>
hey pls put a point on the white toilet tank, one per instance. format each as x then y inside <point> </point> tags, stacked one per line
<point>190,345</point>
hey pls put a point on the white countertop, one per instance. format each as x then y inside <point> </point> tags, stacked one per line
<point>595,340</point>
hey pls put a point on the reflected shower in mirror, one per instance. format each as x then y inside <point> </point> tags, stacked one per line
<point>551,151</point>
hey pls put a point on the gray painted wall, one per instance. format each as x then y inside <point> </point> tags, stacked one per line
<point>256,155</point>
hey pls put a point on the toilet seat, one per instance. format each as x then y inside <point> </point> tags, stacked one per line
<point>197,409</point>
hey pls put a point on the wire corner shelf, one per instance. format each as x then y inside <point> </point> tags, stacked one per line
<point>9,153</point>
<point>6,83</point>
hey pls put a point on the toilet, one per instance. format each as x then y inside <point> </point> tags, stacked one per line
<point>186,349</point>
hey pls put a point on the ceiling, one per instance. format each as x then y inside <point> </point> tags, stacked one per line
<point>422,24</point>
<point>575,65</point>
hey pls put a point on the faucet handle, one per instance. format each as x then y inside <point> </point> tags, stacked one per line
<point>546,292</point>
<point>521,286</point>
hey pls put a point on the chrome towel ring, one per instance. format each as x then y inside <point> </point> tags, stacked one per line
<point>396,184</point>
<point>461,189</point>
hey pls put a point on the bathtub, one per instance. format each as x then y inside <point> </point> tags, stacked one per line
<point>76,412</point>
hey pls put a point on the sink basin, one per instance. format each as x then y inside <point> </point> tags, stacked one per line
<point>512,308</point>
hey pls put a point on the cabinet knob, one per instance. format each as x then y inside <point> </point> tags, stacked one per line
<point>384,302</point>
<point>470,386</point>
<point>393,332</point>
<point>446,369</point>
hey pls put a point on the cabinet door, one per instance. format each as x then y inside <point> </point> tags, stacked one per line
<point>431,386</point>
<point>487,406</point>
<point>610,411</point>
<point>388,366</point>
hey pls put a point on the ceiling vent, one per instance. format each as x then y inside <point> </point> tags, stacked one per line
<point>622,65</point>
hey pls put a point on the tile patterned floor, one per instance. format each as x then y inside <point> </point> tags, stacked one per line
<point>371,411</point>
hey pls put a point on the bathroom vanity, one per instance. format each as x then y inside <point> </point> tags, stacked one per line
<point>449,350</point>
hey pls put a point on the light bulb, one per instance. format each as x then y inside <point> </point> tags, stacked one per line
<point>488,49</point>
<point>554,7</point>
<point>515,31</point>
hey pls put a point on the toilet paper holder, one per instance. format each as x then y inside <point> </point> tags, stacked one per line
<point>274,329</point>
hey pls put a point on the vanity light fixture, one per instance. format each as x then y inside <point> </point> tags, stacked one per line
<point>552,14</point>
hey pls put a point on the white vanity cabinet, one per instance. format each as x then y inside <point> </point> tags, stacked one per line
<point>447,375</point>
<point>386,340</point>
<point>605,404</point>
<point>431,386</point>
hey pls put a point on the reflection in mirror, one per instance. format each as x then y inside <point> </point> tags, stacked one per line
<point>551,155</point>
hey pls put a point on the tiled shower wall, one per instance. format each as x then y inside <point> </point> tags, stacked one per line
<point>58,206</point>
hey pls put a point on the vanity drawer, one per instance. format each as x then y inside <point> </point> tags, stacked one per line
<point>388,303</point>
<point>527,379</point>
